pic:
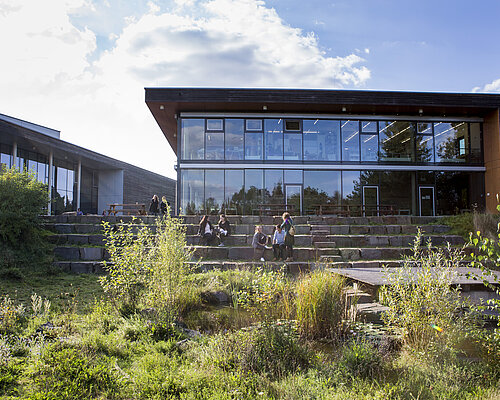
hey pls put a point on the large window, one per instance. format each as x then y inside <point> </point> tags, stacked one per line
<point>65,183</point>
<point>254,184</point>
<point>476,152</point>
<point>369,141</point>
<point>214,140</point>
<point>5,156</point>
<point>192,196</point>
<point>273,133</point>
<point>273,193</point>
<point>321,187</point>
<point>351,188</point>
<point>234,191</point>
<point>235,141</point>
<point>253,145</point>
<point>452,142</point>
<point>214,190</point>
<point>193,143</point>
<point>350,141</point>
<point>424,142</point>
<point>396,141</point>
<point>321,140</point>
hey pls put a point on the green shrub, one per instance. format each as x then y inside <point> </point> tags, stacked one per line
<point>321,307</point>
<point>22,200</point>
<point>422,305</point>
<point>461,224</point>
<point>67,373</point>
<point>360,359</point>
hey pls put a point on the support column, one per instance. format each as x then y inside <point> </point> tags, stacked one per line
<point>78,183</point>
<point>14,154</point>
<point>51,163</point>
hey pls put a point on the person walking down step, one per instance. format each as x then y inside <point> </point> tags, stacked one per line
<point>289,229</point>
<point>154,206</point>
<point>223,229</point>
<point>164,206</point>
<point>206,232</point>
<point>279,244</point>
<point>259,242</point>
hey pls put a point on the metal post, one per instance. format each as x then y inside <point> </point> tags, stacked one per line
<point>14,154</point>
<point>78,183</point>
<point>51,162</point>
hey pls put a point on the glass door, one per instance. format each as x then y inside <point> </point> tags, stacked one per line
<point>370,201</point>
<point>426,200</point>
<point>293,195</point>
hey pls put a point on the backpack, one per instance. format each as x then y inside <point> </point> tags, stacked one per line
<point>291,231</point>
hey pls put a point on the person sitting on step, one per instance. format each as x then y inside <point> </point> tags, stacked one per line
<point>223,229</point>
<point>259,242</point>
<point>206,231</point>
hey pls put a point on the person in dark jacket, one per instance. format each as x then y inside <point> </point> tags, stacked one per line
<point>223,229</point>
<point>289,238</point>
<point>259,242</point>
<point>206,231</point>
<point>164,206</point>
<point>154,206</point>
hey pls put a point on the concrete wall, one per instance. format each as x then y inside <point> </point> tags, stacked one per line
<point>491,142</point>
<point>110,188</point>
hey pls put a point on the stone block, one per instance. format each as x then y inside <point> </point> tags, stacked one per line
<point>61,219</point>
<point>360,220</point>
<point>217,253</point>
<point>397,241</point>
<point>372,254</point>
<point>339,229</point>
<point>237,240</point>
<point>300,220</point>
<point>390,220</point>
<point>438,228</point>
<point>240,253</point>
<point>243,229</point>
<point>350,254</point>
<point>303,240</point>
<point>302,229</point>
<point>375,220</point>
<point>360,229</point>
<point>65,266</point>
<point>378,240</point>
<point>250,220</point>
<point>393,229</point>
<point>304,254</point>
<point>365,264</point>
<point>86,228</point>
<point>91,253</point>
<point>266,220</point>
<point>57,239</point>
<point>422,220</point>
<point>63,228</point>
<point>96,240</point>
<point>67,253</point>
<point>343,241</point>
<point>408,229</point>
<point>378,229</point>
<point>267,229</point>
<point>78,239</point>
<point>82,267</point>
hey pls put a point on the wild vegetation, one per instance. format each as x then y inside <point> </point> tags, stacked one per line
<point>155,328</point>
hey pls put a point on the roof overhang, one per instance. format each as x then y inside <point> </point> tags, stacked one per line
<point>166,104</point>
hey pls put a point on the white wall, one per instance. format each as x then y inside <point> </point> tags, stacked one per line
<point>110,188</point>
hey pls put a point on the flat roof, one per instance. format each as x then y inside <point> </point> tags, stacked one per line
<point>166,104</point>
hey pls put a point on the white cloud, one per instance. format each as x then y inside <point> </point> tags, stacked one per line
<point>489,87</point>
<point>48,79</point>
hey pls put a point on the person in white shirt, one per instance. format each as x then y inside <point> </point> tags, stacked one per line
<point>279,244</point>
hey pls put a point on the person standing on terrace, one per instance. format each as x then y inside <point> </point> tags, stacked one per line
<point>289,229</point>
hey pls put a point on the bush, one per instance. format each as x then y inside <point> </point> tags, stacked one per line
<point>66,373</point>
<point>321,307</point>
<point>422,306</point>
<point>360,359</point>
<point>22,200</point>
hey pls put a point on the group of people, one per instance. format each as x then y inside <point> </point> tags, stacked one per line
<point>282,239</point>
<point>209,233</point>
<point>158,208</point>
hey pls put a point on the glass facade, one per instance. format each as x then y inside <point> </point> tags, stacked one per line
<point>328,144</point>
<point>241,191</point>
<point>64,188</point>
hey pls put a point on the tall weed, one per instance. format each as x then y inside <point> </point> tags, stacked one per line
<point>321,307</point>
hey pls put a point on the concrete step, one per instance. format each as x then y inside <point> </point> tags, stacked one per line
<point>323,245</point>
<point>382,229</point>
<point>294,267</point>
<point>329,259</point>
<point>306,254</point>
<point>327,251</point>
<point>81,267</point>
<point>60,239</point>
<point>75,253</point>
<point>393,241</point>
<point>246,240</point>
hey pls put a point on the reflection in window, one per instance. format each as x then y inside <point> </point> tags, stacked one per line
<point>396,190</point>
<point>350,140</point>
<point>293,146</point>
<point>64,188</point>
<point>192,190</point>
<point>214,125</point>
<point>448,138</point>
<point>254,184</point>
<point>214,145</point>
<point>321,140</point>
<point>192,147</point>
<point>351,188</point>
<point>273,193</point>
<point>424,146</point>
<point>293,176</point>
<point>476,155</point>
<point>234,139</point>
<point>452,192</point>
<point>273,132</point>
<point>369,147</point>
<point>321,187</point>
<point>254,125</point>
<point>396,141</point>
<point>214,190</point>
<point>253,146</point>
<point>369,127</point>
<point>234,195</point>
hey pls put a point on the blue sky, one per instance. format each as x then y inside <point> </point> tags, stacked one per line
<point>81,66</point>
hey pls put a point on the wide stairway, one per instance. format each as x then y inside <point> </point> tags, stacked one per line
<point>337,242</point>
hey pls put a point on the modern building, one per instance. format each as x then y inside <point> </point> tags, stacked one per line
<point>76,177</point>
<point>417,153</point>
